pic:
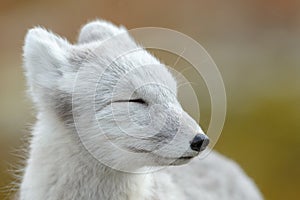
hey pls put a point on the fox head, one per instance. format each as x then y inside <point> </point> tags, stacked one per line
<point>112,95</point>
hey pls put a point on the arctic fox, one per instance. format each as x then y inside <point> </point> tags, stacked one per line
<point>106,116</point>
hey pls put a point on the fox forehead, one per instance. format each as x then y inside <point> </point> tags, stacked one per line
<point>136,72</point>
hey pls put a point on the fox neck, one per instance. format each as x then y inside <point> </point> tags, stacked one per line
<point>59,168</point>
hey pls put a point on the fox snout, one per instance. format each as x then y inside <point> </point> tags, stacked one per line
<point>199,143</point>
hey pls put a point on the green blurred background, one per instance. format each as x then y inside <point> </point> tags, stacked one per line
<point>255,44</point>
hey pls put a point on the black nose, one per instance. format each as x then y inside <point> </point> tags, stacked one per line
<point>200,142</point>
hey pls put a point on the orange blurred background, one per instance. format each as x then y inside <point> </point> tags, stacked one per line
<point>255,44</point>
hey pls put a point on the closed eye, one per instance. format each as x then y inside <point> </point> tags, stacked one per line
<point>140,101</point>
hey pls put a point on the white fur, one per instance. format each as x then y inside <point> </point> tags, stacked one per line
<point>59,165</point>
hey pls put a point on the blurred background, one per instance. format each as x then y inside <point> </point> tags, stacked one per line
<point>255,44</point>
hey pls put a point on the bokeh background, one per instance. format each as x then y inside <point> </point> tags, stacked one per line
<point>255,43</point>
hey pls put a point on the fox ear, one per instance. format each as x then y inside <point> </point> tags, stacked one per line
<point>45,56</point>
<point>98,30</point>
<point>45,62</point>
